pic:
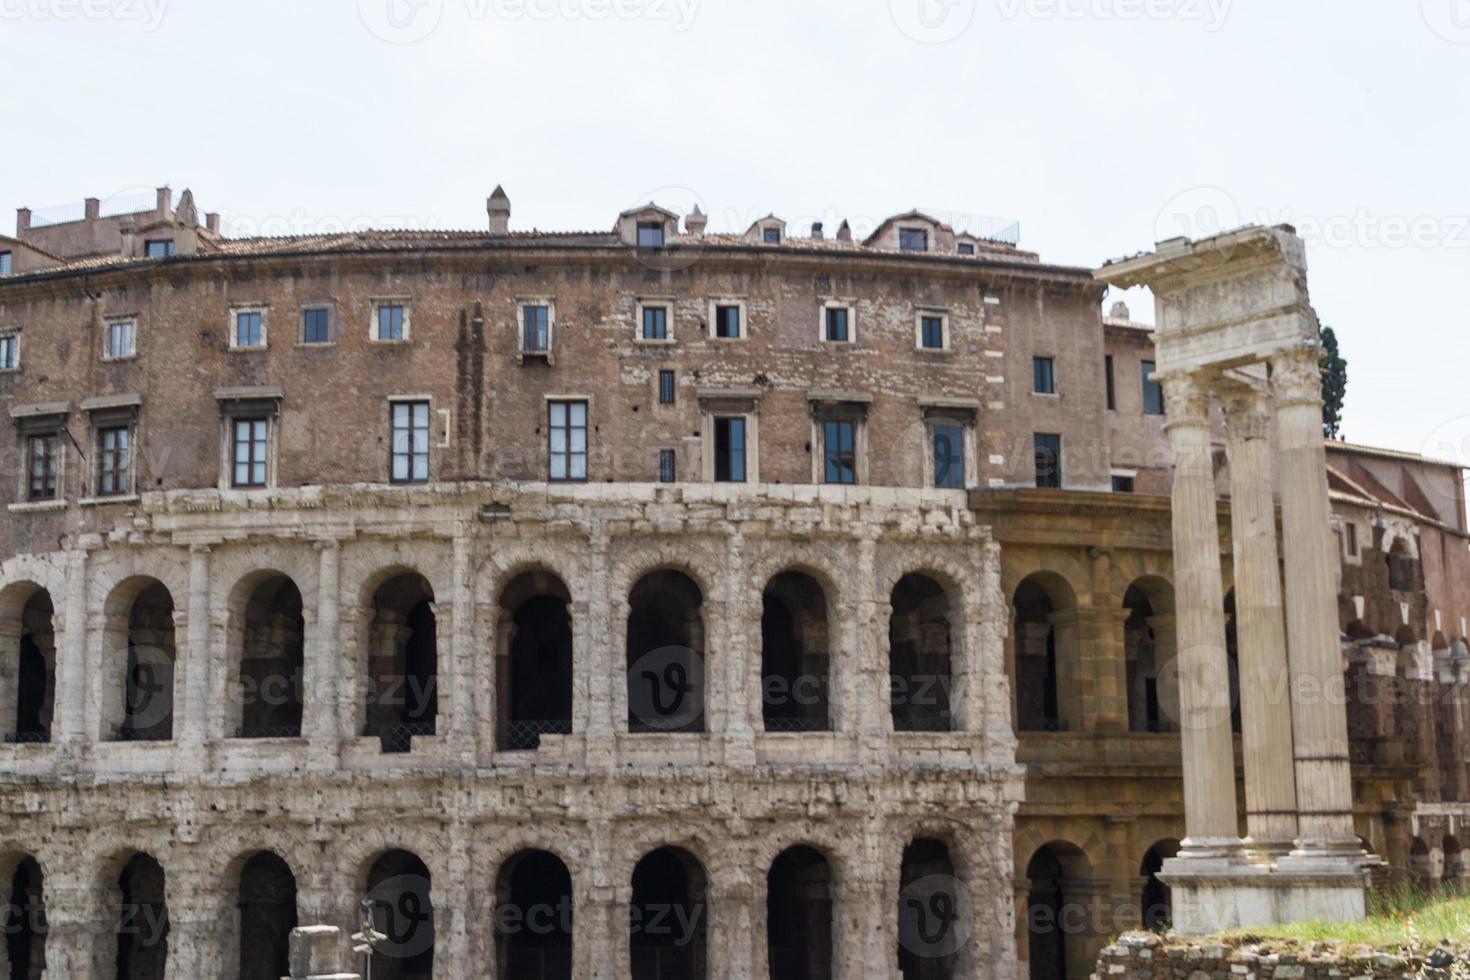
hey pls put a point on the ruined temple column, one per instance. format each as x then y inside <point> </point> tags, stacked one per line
<point>1204,687</point>
<point>1319,723</point>
<point>1265,709</point>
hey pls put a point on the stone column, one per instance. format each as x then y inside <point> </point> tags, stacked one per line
<point>461,705</point>
<point>78,932</point>
<point>197,910</point>
<point>1104,669</point>
<point>1204,687</point>
<point>1319,723</point>
<point>323,661</point>
<point>194,656</point>
<point>70,718</point>
<point>1265,709</point>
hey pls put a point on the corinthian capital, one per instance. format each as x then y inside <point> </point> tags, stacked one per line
<point>1296,376</point>
<point>1186,398</point>
<point>1247,415</point>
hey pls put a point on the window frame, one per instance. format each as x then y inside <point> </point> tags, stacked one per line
<point>113,322</point>
<point>170,248</point>
<point>673,391</point>
<point>126,476</point>
<point>248,309</point>
<point>964,248</point>
<point>668,466</point>
<point>650,226</point>
<point>522,305</point>
<point>57,458</point>
<point>10,339</point>
<point>1043,375</point>
<point>641,307</point>
<point>233,424</point>
<point>568,454</point>
<point>742,318</point>
<point>767,231</point>
<point>1036,448</point>
<point>729,419</point>
<point>327,309</point>
<point>7,264</point>
<point>410,402</point>
<point>920,230</point>
<point>963,417</point>
<point>846,306</point>
<point>379,303</point>
<point>845,460</point>
<point>1148,385</point>
<point>922,314</point>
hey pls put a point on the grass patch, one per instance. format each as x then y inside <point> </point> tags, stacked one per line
<point>1408,917</point>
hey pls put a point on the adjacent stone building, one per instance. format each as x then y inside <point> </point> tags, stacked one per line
<point>645,603</point>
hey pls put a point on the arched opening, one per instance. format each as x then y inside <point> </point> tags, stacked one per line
<point>1453,873</point>
<point>271,657</point>
<point>1402,567</point>
<point>403,662</point>
<point>666,922</point>
<point>921,649</point>
<point>1056,913</point>
<point>665,654</point>
<point>1232,661</point>
<point>1156,908</point>
<point>799,915</point>
<point>1148,644</point>
<point>144,711</point>
<point>533,918</point>
<point>1045,639</point>
<point>142,921</point>
<point>934,912</point>
<point>398,888</point>
<point>267,904</point>
<point>25,922</point>
<point>794,655</point>
<point>1421,864</point>
<point>26,628</point>
<point>534,670</point>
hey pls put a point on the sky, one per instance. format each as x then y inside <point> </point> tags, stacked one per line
<point>1101,126</point>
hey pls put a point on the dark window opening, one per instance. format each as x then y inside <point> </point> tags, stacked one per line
<point>913,239</point>
<point>965,248</point>
<point>403,663</point>
<point>400,893</point>
<point>534,670</point>
<point>535,329</point>
<point>795,661</point>
<point>668,466</point>
<point>839,451</point>
<point>1048,460</point>
<point>273,647</point>
<point>666,390</point>
<point>1122,484</point>
<point>315,326</point>
<point>267,904</point>
<point>727,321</point>
<point>730,450</point>
<point>158,248</point>
<point>799,904</point>
<point>1153,392</point>
<point>1156,911</point>
<point>1108,381</point>
<point>931,332</point>
<point>665,651</point>
<point>1352,539</point>
<point>836,324</point>
<point>1055,950</point>
<point>533,924</point>
<point>42,468</point>
<point>920,656</point>
<point>147,709</point>
<point>1044,375</point>
<point>1153,694</point>
<point>932,906</point>
<point>142,921</point>
<point>655,323</point>
<point>1038,700</point>
<point>24,922</point>
<point>771,236</point>
<point>650,234</point>
<point>668,917</point>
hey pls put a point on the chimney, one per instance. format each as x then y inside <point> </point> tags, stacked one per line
<point>498,207</point>
<point>1119,311</point>
<point>165,200</point>
<point>94,209</point>
<point>22,221</point>
<point>129,234</point>
<point>695,222</point>
<point>844,231</point>
<point>816,229</point>
<point>211,221</point>
<point>186,225</point>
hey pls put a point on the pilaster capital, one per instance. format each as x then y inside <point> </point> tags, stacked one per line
<point>1296,376</point>
<point>1246,412</point>
<point>1187,397</point>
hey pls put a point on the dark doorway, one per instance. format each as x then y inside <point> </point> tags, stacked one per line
<point>667,918</point>
<point>799,915</point>
<point>272,654</point>
<point>666,654</point>
<point>1156,910</point>
<point>794,655</point>
<point>25,922</point>
<point>398,887</point>
<point>403,663</point>
<point>920,651</point>
<point>148,696</point>
<point>534,671</point>
<point>142,921</point>
<point>267,905</point>
<point>1038,699</point>
<point>533,920</point>
<point>933,912</point>
<point>35,671</point>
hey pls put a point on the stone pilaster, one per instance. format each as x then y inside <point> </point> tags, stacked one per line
<point>1265,710</point>
<point>193,661</point>
<point>321,708</point>
<point>69,722</point>
<point>198,905</point>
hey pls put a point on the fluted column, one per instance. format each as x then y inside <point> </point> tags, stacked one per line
<point>1260,630</point>
<point>1204,689</point>
<point>1319,723</point>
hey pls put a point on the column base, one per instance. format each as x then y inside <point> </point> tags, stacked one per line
<point>1210,894</point>
<point>1267,850</point>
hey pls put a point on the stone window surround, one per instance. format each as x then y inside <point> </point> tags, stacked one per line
<point>107,324</point>
<point>40,420</point>
<point>545,419</point>
<point>434,444</point>
<point>943,313</point>
<point>846,406</point>
<point>14,333</point>
<point>108,412</point>
<point>736,301</point>
<point>655,302</point>
<point>377,302</point>
<point>243,403</point>
<point>847,303</point>
<point>233,334</point>
<point>331,307</point>
<point>729,403</point>
<point>520,328</point>
<point>963,412</point>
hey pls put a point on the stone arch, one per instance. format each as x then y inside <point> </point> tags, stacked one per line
<point>267,653</point>
<point>138,693</point>
<point>402,659</point>
<point>266,914</point>
<point>666,653</point>
<point>28,653</point>
<point>796,635</point>
<point>141,920</point>
<point>1058,938</point>
<point>400,889</point>
<point>1402,563</point>
<point>23,902</point>
<point>534,660</point>
<point>533,917</point>
<point>1421,862</point>
<point>668,916</point>
<point>1156,905</point>
<point>1047,653</point>
<point>1452,870</point>
<point>800,901</point>
<point>925,630</point>
<point>1149,645</point>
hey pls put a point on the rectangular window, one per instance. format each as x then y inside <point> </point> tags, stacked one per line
<point>727,321</point>
<point>316,326</point>
<point>666,387</point>
<point>836,327</point>
<point>667,466</point>
<point>410,442</point>
<point>949,457</point>
<point>121,341</point>
<point>1044,371</point>
<point>390,321</point>
<point>41,467</point>
<point>913,239</point>
<point>650,234</point>
<point>1153,392</point>
<point>568,440</point>
<point>159,248</point>
<point>771,236</point>
<point>839,451</point>
<point>248,452</point>
<point>655,323</point>
<point>1048,460</point>
<point>113,461</point>
<point>5,266</point>
<point>1108,380</point>
<point>1122,484</point>
<point>966,248</point>
<point>9,352</point>
<point>931,332</point>
<point>1352,540</point>
<point>535,329</point>
<point>248,329</point>
<point>730,450</point>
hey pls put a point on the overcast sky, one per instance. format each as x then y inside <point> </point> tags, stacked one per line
<point>1100,125</point>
